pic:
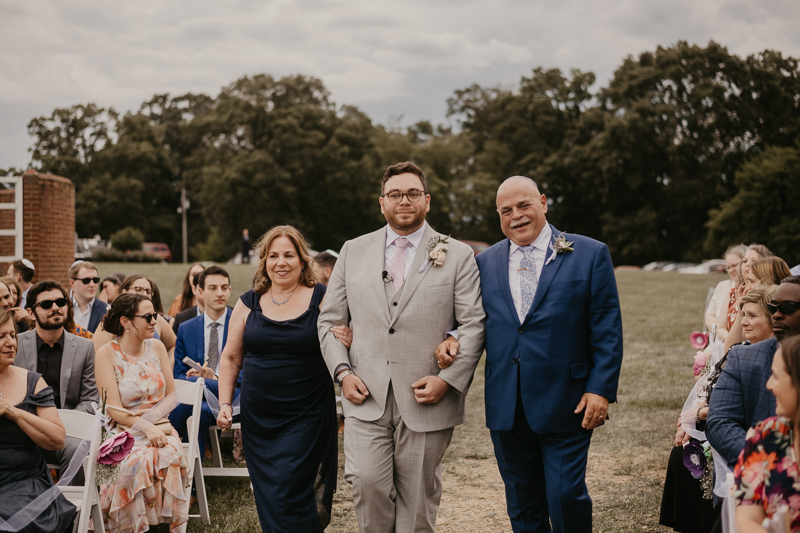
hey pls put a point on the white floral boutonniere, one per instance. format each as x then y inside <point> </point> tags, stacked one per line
<point>437,252</point>
<point>560,245</point>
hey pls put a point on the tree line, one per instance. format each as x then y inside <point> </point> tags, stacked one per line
<point>686,150</point>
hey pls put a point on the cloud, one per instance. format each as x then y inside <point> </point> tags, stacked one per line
<point>388,58</point>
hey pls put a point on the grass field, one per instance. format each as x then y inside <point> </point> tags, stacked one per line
<point>628,456</point>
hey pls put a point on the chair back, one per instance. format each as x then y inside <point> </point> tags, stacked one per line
<point>78,426</point>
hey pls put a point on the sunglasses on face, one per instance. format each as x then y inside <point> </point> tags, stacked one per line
<point>786,308</point>
<point>87,281</point>
<point>47,304</point>
<point>149,317</point>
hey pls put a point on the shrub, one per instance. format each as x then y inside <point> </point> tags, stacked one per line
<point>116,256</point>
<point>127,239</point>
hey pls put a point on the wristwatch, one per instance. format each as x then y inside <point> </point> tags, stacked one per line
<point>341,375</point>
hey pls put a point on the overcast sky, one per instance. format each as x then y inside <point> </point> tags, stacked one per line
<point>391,59</point>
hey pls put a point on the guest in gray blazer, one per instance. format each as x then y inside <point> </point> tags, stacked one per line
<point>65,361</point>
<point>402,289</point>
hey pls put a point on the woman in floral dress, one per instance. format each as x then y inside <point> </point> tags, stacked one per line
<point>767,478</point>
<point>151,488</point>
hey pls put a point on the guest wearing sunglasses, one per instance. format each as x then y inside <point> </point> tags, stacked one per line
<point>139,284</point>
<point>87,308</point>
<point>65,361</point>
<point>740,399</point>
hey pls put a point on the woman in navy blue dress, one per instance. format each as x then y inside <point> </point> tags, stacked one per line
<point>288,411</point>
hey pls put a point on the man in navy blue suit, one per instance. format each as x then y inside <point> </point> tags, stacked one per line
<point>740,398</point>
<point>202,340</point>
<point>87,308</point>
<point>553,356</point>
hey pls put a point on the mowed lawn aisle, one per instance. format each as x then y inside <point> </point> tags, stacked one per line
<point>628,456</point>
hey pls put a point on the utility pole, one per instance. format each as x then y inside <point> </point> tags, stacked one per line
<point>184,234</point>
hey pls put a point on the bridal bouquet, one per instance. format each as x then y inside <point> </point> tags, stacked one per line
<point>114,449</point>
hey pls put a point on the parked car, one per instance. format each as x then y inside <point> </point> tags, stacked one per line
<point>158,248</point>
<point>713,265</point>
<point>656,265</point>
<point>672,267</point>
<point>477,246</point>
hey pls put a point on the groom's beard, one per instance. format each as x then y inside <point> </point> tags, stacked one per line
<point>415,222</point>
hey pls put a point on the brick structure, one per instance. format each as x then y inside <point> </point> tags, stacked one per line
<point>48,215</point>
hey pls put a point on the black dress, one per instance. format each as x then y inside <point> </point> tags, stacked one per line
<point>288,419</point>
<point>23,471</point>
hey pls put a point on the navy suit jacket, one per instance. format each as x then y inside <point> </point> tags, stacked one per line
<point>191,343</point>
<point>99,310</point>
<point>740,399</point>
<point>570,342</point>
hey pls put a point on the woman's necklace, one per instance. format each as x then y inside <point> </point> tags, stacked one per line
<point>8,372</point>
<point>287,298</point>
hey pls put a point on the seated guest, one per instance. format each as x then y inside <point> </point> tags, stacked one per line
<point>156,299</point>
<point>21,317</point>
<point>65,361</point>
<point>725,320</point>
<point>7,302</point>
<point>740,399</point>
<point>86,308</point>
<point>29,423</point>
<point>202,340</point>
<point>192,312</point>
<point>186,298</point>
<point>109,288</point>
<point>766,474</point>
<point>130,368</point>
<point>767,271</point>
<point>721,299</point>
<point>139,284</point>
<point>323,266</point>
<point>22,270</point>
<point>686,504</point>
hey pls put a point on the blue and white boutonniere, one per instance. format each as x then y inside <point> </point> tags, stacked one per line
<point>560,245</point>
<point>436,252</point>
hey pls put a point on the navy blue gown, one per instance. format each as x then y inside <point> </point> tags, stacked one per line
<point>288,418</point>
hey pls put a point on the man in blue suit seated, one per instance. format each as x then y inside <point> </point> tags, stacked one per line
<point>740,398</point>
<point>202,340</point>
<point>553,356</point>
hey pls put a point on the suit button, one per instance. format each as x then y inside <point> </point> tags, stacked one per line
<point>391,330</point>
<point>394,304</point>
<point>514,360</point>
<point>521,330</point>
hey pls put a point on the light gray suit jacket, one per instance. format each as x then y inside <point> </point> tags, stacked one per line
<point>397,342</point>
<point>77,385</point>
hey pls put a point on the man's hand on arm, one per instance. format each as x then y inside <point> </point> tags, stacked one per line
<point>596,410</point>
<point>430,389</point>
<point>446,352</point>
<point>354,389</point>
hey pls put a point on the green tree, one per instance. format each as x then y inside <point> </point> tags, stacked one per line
<point>766,207</point>
<point>128,239</point>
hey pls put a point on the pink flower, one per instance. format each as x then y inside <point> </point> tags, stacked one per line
<point>699,362</point>
<point>438,257</point>
<point>115,449</point>
<point>698,340</point>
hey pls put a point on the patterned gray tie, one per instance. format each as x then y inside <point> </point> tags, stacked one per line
<point>528,278</point>
<point>213,347</point>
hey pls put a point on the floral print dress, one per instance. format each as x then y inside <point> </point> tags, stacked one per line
<point>767,473</point>
<point>152,481</point>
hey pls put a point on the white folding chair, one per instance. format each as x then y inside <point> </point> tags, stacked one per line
<point>192,449</point>
<point>216,456</point>
<point>85,498</point>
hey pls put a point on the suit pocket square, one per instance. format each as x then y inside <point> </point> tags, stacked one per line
<point>579,370</point>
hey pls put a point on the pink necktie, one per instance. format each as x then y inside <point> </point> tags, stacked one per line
<point>397,268</point>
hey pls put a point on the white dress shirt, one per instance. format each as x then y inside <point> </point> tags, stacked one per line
<point>81,318</point>
<point>541,246</point>
<point>207,325</point>
<point>411,251</point>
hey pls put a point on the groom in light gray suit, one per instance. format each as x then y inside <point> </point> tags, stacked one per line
<point>400,408</point>
<point>65,361</point>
